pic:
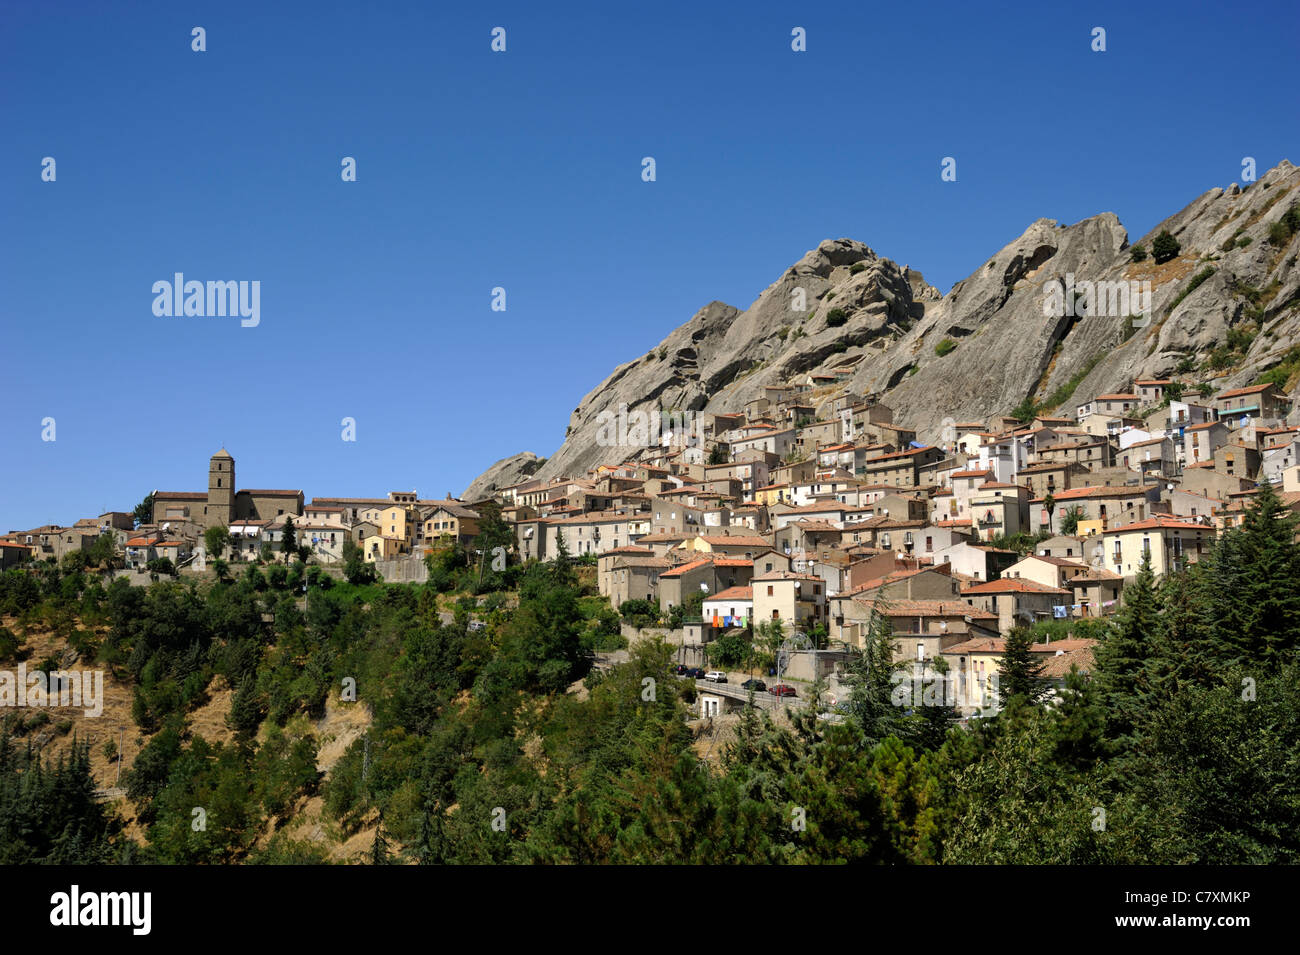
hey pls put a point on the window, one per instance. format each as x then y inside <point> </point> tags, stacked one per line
<point>769,590</point>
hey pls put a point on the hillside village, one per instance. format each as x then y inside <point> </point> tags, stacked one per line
<point>810,507</point>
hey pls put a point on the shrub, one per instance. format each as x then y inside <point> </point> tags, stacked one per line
<point>1192,286</point>
<point>1220,358</point>
<point>945,347</point>
<point>836,317</point>
<point>161,565</point>
<point>1138,253</point>
<point>857,267</point>
<point>1165,247</point>
<point>1239,339</point>
<point>783,331</point>
<point>1244,241</point>
<point>8,643</point>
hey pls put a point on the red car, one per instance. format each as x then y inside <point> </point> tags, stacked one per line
<point>782,689</point>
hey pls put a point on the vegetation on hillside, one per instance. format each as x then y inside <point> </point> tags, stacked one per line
<point>1181,747</point>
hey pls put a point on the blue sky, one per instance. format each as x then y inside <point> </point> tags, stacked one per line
<point>523,170</point>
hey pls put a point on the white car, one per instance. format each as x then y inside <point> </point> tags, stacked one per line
<point>716,676</point>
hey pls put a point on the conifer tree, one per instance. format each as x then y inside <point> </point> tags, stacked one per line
<point>1255,583</point>
<point>1123,657</point>
<point>1020,673</point>
<point>872,702</point>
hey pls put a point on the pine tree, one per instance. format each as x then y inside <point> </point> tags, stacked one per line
<point>288,543</point>
<point>379,848</point>
<point>872,702</point>
<point>1020,673</point>
<point>1255,588</point>
<point>1123,657</point>
<point>245,708</point>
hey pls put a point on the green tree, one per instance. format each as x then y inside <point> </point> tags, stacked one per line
<point>1123,658</point>
<point>356,569</point>
<point>1020,672</point>
<point>289,541</point>
<point>1026,411</point>
<point>1254,583</point>
<point>143,513</point>
<point>877,699</point>
<point>1070,518</point>
<point>246,712</point>
<point>215,540</point>
<point>1164,247</point>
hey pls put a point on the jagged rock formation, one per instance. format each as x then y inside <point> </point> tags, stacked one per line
<point>507,471</point>
<point>1006,349</point>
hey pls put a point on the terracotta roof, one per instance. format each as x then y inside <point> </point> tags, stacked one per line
<point>696,564</point>
<point>1159,522</point>
<point>180,496</point>
<point>911,452</point>
<point>970,474</point>
<point>262,492</point>
<point>1252,390</point>
<point>979,645</point>
<point>1116,397</point>
<point>1075,493</point>
<point>786,575</point>
<point>1058,666</point>
<point>737,540</point>
<point>1012,585</point>
<point>927,608</point>
<point>733,593</point>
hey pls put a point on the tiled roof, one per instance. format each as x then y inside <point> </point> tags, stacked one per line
<point>1159,522</point>
<point>927,608</point>
<point>1012,585</point>
<point>1252,390</point>
<point>733,593</point>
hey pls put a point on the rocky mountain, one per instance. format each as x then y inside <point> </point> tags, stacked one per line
<point>1225,309</point>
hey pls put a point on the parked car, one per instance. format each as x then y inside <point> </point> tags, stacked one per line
<point>680,669</point>
<point>758,686</point>
<point>782,689</point>
<point>716,676</point>
<point>697,672</point>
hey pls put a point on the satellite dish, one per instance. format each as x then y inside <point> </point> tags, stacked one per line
<point>167,526</point>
